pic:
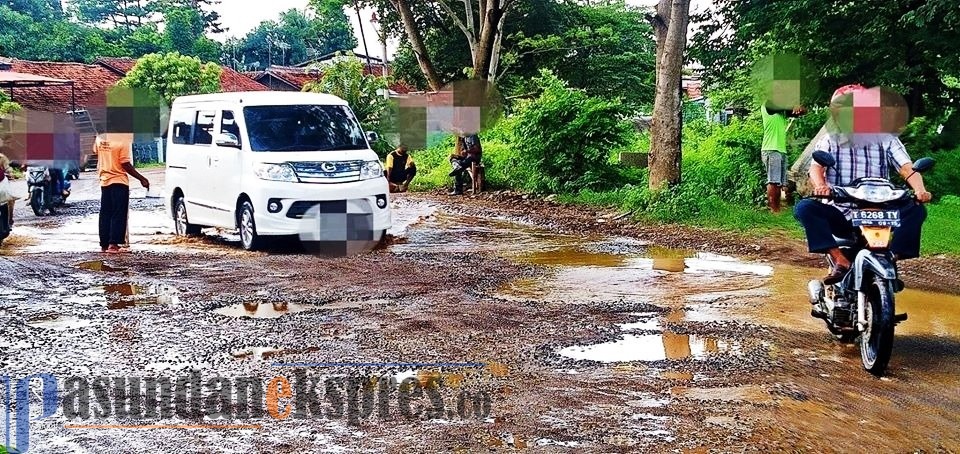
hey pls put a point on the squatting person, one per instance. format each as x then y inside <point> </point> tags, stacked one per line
<point>400,169</point>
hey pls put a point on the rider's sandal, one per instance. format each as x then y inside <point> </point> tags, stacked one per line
<point>836,275</point>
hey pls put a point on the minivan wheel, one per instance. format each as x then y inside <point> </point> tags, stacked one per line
<point>248,228</point>
<point>182,225</point>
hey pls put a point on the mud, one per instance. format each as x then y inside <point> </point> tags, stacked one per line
<point>591,339</point>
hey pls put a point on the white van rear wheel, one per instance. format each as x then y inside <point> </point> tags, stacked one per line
<point>181,223</point>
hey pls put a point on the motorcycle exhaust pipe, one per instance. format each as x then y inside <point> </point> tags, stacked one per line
<point>815,288</point>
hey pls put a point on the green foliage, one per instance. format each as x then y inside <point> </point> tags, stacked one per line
<point>845,41</point>
<point>294,38</point>
<point>171,75</point>
<point>7,106</point>
<point>605,49</point>
<point>566,136</point>
<point>944,179</point>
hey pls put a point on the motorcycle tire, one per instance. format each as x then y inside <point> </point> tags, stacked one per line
<point>876,343</point>
<point>36,202</point>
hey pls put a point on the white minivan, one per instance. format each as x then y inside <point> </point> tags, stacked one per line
<point>266,163</point>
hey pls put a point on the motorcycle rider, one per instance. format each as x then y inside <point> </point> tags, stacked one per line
<point>864,142</point>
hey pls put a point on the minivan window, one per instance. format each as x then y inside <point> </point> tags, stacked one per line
<point>203,133</point>
<point>303,128</point>
<point>183,120</point>
<point>228,124</point>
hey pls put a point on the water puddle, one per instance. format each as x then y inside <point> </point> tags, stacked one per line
<point>61,323</point>
<point>650,323</point>
<point>266,353</point>
<point>261,310</point>
<point>98,265</point>
<point>351,305</point>
<point>573,256</point>
<point>82,235</point>
<point>650,347</point>
<point>126,295</point>
<point>749,393</point>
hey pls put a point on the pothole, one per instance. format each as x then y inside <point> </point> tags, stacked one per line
<point>98,265</point>
<point>60,323</point>
<point>650,347</point>
<point>127,295</point>
<point>261,310</point>
<point>265,353</point>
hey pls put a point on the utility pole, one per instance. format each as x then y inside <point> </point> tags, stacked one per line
<point>363,36</point>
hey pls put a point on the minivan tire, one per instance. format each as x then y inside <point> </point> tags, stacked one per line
<point>180,221</point>
<point>247,226</point>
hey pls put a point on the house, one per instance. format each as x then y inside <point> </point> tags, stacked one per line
<point>294,78</point>
<point>80,90</point>
<point>230,80</point>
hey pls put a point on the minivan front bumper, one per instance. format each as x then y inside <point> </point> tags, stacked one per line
<point>283,208</point>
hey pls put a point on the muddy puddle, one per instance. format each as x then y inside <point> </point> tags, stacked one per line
<point>127,295</point>
<point>60,323</point>
<point>650,347</point>
<point>262,310</point>
<point>267,353</point>
<point>81,234</point>
<point>99,265</point>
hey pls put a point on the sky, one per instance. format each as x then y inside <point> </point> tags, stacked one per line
<point>241,16</point>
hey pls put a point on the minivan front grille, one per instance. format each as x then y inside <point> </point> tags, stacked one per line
<point>328,171</point>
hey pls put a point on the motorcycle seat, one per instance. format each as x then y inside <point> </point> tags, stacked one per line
<point>845,242</point>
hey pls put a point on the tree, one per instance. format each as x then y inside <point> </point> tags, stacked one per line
<point>671,28</point>
<point>364,92</point>
<point>171,75</point>
<point>605,49</point>
<point>295,38</point>
<point>184,33</point>
<point>330,28</point>
<point>119,13</point>
<point>37,10</point>
<point>480,22</point>
<point>6,105</point>
<point>908,45</point>
<point>208,16</point>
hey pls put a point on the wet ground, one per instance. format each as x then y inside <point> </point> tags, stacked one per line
<point>586,339</point>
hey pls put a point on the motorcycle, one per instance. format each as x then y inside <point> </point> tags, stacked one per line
<point>42,192</point>
<point>861,308</point>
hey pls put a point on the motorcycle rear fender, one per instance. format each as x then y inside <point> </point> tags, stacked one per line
<point>868,263</point>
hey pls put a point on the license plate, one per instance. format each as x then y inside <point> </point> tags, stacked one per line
<point>876,218</point>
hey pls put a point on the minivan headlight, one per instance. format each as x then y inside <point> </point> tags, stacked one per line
<point>370,170</point>
<point>275,172</point>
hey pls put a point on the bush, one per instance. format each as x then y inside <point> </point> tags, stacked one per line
<point>944,179</point>
<point>565,138</point>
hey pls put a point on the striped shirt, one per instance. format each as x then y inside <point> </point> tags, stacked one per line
<point>866,156</point>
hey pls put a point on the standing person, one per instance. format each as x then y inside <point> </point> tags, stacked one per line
<point>114,163</point>
<point>773,150</point>
<point>400,169</point>
<point>6,173</point>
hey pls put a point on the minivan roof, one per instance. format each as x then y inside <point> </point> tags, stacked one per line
<point>263,98</point>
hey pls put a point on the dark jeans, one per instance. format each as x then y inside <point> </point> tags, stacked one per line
<point>822,222</point>
<point>401,176</point>
<point>114,205</point>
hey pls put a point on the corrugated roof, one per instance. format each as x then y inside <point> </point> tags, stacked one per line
<point>90,83</point>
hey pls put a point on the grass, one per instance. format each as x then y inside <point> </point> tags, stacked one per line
<point>942,229</point>
<point>151,165</point>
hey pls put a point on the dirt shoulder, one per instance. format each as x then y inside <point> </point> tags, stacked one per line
<point>935,273</point>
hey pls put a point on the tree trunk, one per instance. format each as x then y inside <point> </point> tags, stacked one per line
<point>416,42</point>
<point>488,36</point>
<point>665,128</point>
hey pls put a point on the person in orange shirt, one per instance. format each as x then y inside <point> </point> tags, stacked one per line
<point>114,163</point>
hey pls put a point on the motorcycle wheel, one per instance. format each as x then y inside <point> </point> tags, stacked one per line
<point>36,202</point>
<point>876,343</point>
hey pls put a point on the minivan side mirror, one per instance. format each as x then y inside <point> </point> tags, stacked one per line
<point>226,139</point>
<point>825,159</point>
<point>372,136</point>
<point>923,165</point>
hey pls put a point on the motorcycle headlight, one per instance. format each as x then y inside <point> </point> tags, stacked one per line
<point>276,172</point>
<point>875,194</point>
<point>370,170</point>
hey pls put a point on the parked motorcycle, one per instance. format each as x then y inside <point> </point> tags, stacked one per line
<point>860,308</point>
<point>42,190</point>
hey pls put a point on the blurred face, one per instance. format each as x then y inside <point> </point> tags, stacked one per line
<point>870,111</point>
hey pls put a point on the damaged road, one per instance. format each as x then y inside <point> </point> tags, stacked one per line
<point>584,338</point>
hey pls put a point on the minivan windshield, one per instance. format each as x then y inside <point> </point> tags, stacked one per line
<point>303,127</point>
